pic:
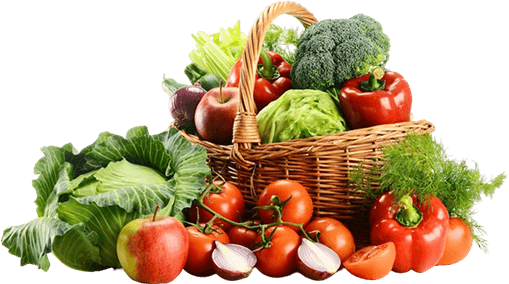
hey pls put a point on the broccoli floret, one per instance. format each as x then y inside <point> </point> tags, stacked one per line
<point>332,51</point>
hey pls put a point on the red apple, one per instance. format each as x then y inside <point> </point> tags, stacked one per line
<point>153,250</point>
<point>216,113</point>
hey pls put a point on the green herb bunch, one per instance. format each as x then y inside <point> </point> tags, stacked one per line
<point>420,165</point>
<point>283,41</point>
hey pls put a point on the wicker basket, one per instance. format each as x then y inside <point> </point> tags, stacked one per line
<point>321,164</point>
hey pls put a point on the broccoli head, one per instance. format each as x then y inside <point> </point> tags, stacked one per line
<point>332,51</point>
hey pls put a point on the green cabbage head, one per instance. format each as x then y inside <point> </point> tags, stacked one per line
<point>84,198</point>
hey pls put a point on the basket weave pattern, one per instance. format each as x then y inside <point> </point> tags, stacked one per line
<point>320,164</point>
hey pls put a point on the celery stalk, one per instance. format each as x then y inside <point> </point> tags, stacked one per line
<point>218,52</point>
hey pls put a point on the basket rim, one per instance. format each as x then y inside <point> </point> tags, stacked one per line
<point>346,137</point>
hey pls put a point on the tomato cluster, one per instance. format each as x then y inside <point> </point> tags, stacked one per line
<point>285,211</point>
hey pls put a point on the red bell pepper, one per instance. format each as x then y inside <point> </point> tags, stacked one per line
<point>379,97</point>
<point>417,229</point>
<point>271,81</point>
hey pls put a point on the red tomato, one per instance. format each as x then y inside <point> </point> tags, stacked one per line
<point>243,236</point>
<point>280,259</point>
<point>298,210</point>
<point>458,242</point>
<point>372,262</point>
<point>199,260</point>
<point>334,235</point>
<point>229,203</point>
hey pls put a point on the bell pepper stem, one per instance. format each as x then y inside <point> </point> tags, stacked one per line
<point>408,214</point>
<point>374,82</point>
<point>267,70</point>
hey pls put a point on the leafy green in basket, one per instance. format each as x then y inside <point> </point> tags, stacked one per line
<point>282,41</point>
<point>216,53</point>
<point>84,198</point>
<point>300,114</point>
<point>419,164</point>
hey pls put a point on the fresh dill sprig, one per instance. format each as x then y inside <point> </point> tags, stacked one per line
<point>420,165</point>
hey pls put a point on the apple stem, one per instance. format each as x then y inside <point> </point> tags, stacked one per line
<point>221,91</point>
<point>155,212</point>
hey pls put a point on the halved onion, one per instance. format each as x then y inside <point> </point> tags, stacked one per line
<point>317,261</point>
<point>232,261</point>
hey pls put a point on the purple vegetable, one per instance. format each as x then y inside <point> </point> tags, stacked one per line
<point>182,106</point>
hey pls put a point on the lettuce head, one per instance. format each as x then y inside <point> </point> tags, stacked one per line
<point>84,198</point>
<point>300,114</point>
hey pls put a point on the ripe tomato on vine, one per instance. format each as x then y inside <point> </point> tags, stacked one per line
<point>292,196</point>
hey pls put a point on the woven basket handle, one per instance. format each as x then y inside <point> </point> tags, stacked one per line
<point>245,130</point>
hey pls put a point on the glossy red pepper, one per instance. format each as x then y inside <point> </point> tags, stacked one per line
<point>379,97</point>
<point>271,81</point>
<point>417,229</point>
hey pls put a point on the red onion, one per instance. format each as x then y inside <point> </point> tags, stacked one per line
<point>182,106</point>
<point>232,261</point>
<point>317,261</point>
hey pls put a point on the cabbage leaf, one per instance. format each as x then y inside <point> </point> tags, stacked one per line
<point>84,198</point>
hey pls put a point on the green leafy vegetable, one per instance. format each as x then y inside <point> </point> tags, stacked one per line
<point>419,164</point>
<point>282,41</point>
<point>218,52</point>
<point>84,198</point>
<point>170,85</point>
<point>300,114</point>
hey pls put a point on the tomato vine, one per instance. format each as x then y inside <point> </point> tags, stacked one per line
<point>276,205</point>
